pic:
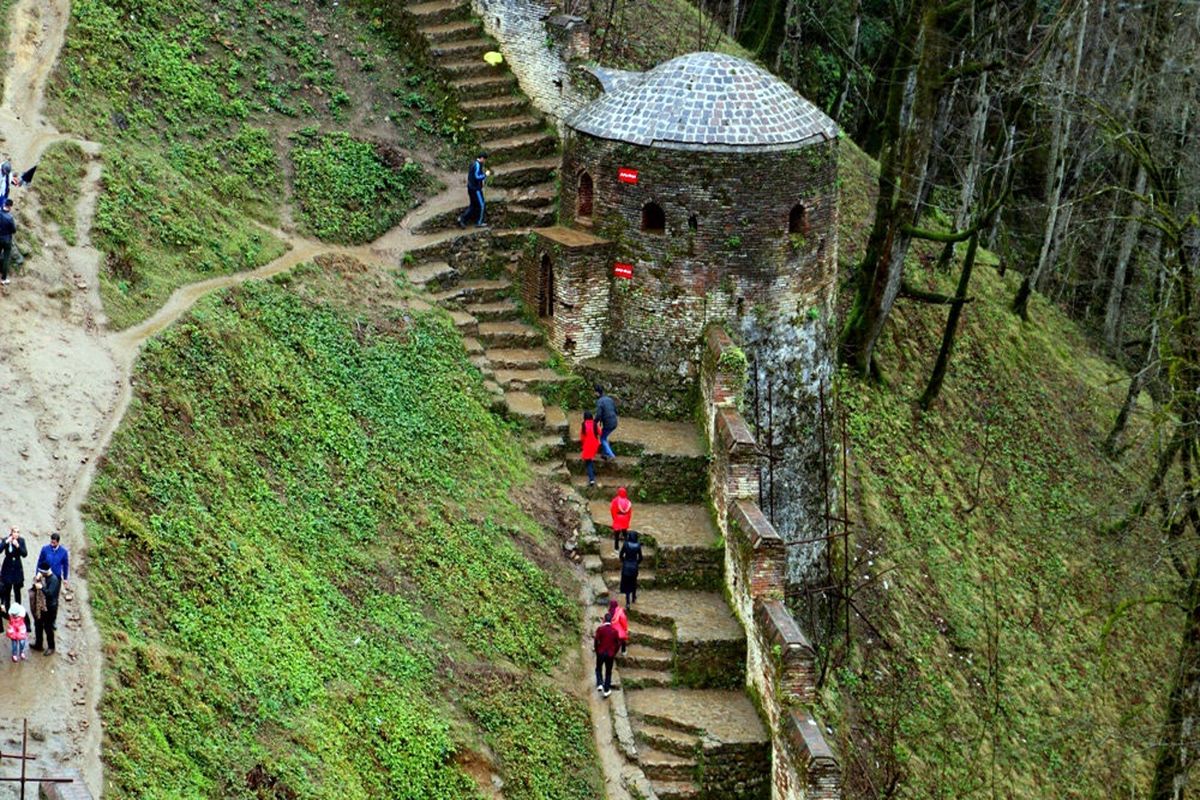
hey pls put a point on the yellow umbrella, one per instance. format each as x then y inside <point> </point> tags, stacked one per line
<point>493,58</point>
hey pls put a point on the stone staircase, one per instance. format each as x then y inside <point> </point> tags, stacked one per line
<point>522,149</point>
<point>688,723</point>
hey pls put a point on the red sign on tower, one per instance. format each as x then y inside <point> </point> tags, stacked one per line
<point>627,175</point>
<point>622,270</point>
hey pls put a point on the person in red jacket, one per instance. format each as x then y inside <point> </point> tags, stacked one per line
<point>620,622</point>
<point>622,513</point>
<point>606,643</point>
<point>589,443</point>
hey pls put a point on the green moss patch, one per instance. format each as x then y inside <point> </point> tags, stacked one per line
<point>350,191</point>
<point>60,173</point>
<point>301,535</point>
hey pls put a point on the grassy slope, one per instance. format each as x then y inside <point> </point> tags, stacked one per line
<point>60,172</point>
<point>997,613</point>
<point>307,566</point>
<point>643,35</point>
<point>195,115</point>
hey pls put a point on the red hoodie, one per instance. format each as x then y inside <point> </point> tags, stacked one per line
<point>619,620</point>
<point>622,510</point>
<point>589,440</point>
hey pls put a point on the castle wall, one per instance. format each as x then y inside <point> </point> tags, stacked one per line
<point>541,45</point>
<point>737,265</point>
<point>579,263</point>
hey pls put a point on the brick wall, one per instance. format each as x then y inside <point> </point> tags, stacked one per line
<point>541,45</point>
<point>578,262</point>
<point>779,658</point>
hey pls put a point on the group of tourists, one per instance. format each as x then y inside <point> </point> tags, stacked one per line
<point>612,637</point>
<point>8,224</point>
<point>53,570</point>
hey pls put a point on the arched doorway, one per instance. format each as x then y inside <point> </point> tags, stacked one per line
<point>546,288</point>
<point>798,219</point>
<point>583,196</point>
<point>654,219</point>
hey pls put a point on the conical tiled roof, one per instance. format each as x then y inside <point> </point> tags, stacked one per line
<point>705,101</point>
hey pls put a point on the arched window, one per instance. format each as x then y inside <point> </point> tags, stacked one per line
<point>546,288</point>
<point>583,196</point>
<point>798,219</point>
<point>654,219</point>
<point>693,223</point>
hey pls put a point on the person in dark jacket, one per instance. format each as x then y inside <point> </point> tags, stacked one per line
<point>631,559</point>
<point>606,415</point>
<point>55,558</point>
<point>477,175</point>
<point>12,573</point>
<point>8,227</point>
<point>44,602</point>
<point>605,642</point>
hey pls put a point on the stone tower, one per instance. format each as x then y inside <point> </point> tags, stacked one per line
<point>702,192</point>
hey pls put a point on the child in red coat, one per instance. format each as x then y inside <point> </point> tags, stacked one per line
<point>17,632</point>
<point>621,509</point>
<point>589,442</point>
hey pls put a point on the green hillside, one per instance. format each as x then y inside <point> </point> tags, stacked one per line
<point>311,565</point>
<point>984,558</point>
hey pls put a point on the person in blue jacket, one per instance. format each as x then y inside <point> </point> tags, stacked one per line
<point>55,558</point>
<point>477,175</point>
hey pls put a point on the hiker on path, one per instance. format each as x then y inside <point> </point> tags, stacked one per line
<point>605,643</point>
<point>621,509</point>
<point>18,634</point>
<point>631,560</point>
<point>12,573</point>
<point>477,175</point>
<point>620,622</point>
<point>44,602</point>
<point>606,415</point>
<point>54,557</point>
<point>8,227</point>
<point>589,443</point>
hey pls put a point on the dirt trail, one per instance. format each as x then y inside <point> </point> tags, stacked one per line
<point>64,386</point>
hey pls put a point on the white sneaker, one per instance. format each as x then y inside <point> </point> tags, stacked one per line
<point>607,693</point>
<point>4,282</point>
<point>599,687</point>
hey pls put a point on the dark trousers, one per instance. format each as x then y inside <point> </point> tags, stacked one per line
<point>5,259</point>
<point>474,212</point>
<point>9,592</point>
<point>617,539</point>
<point>590,466</point>
<point>45,625</point>
<point>604,664</point>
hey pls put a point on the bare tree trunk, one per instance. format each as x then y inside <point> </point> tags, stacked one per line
<point>852,67</point>
<point>1056,166</point>
<point>1149,366</point>
<point>1116,290</point>
<point>1183,706</point>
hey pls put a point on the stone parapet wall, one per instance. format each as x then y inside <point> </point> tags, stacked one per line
<point>780,667</point>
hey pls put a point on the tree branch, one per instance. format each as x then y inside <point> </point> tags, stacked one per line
<point>910,292</point>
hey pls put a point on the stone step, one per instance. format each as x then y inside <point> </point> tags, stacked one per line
<point>525,172</point>
<point>472,346</point>
<point>496,310</point>
<point>591,564</point>
<point>667,524</point>
<point>546,447</point>
<point>462,48</point>
<point>675,790</point>
<point>519,358</point>
<point>493,107</point>
<point>632,678</point>
<point>518,215</point>
<point>445,32</point>
<point>539,195</point>
<point>653,636</point>
<point>509,334</point>
<point>485,368</point>
<point>662,766</point>
<point>556,421</point>
<point>667,740</point>
<point>647,580</point>
<point>484,290</point>
<point>599,590</point>
<point>551,470</point>
<point>531,379</point>
<point>622,468</point>
<point>534,144</point>
<point>525,408</point>
<point>466,324</point>
<point>612,559</point>
<point>458,67</point>
<point>639,656</point>
<point>507,126</point>
<point>604,486</point>
<point>486,86</point>
<point>431,274</point>
<point>439,11</point>
<point>640,436</point>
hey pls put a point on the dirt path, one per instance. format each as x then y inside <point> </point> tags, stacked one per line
<point>64,385</point>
